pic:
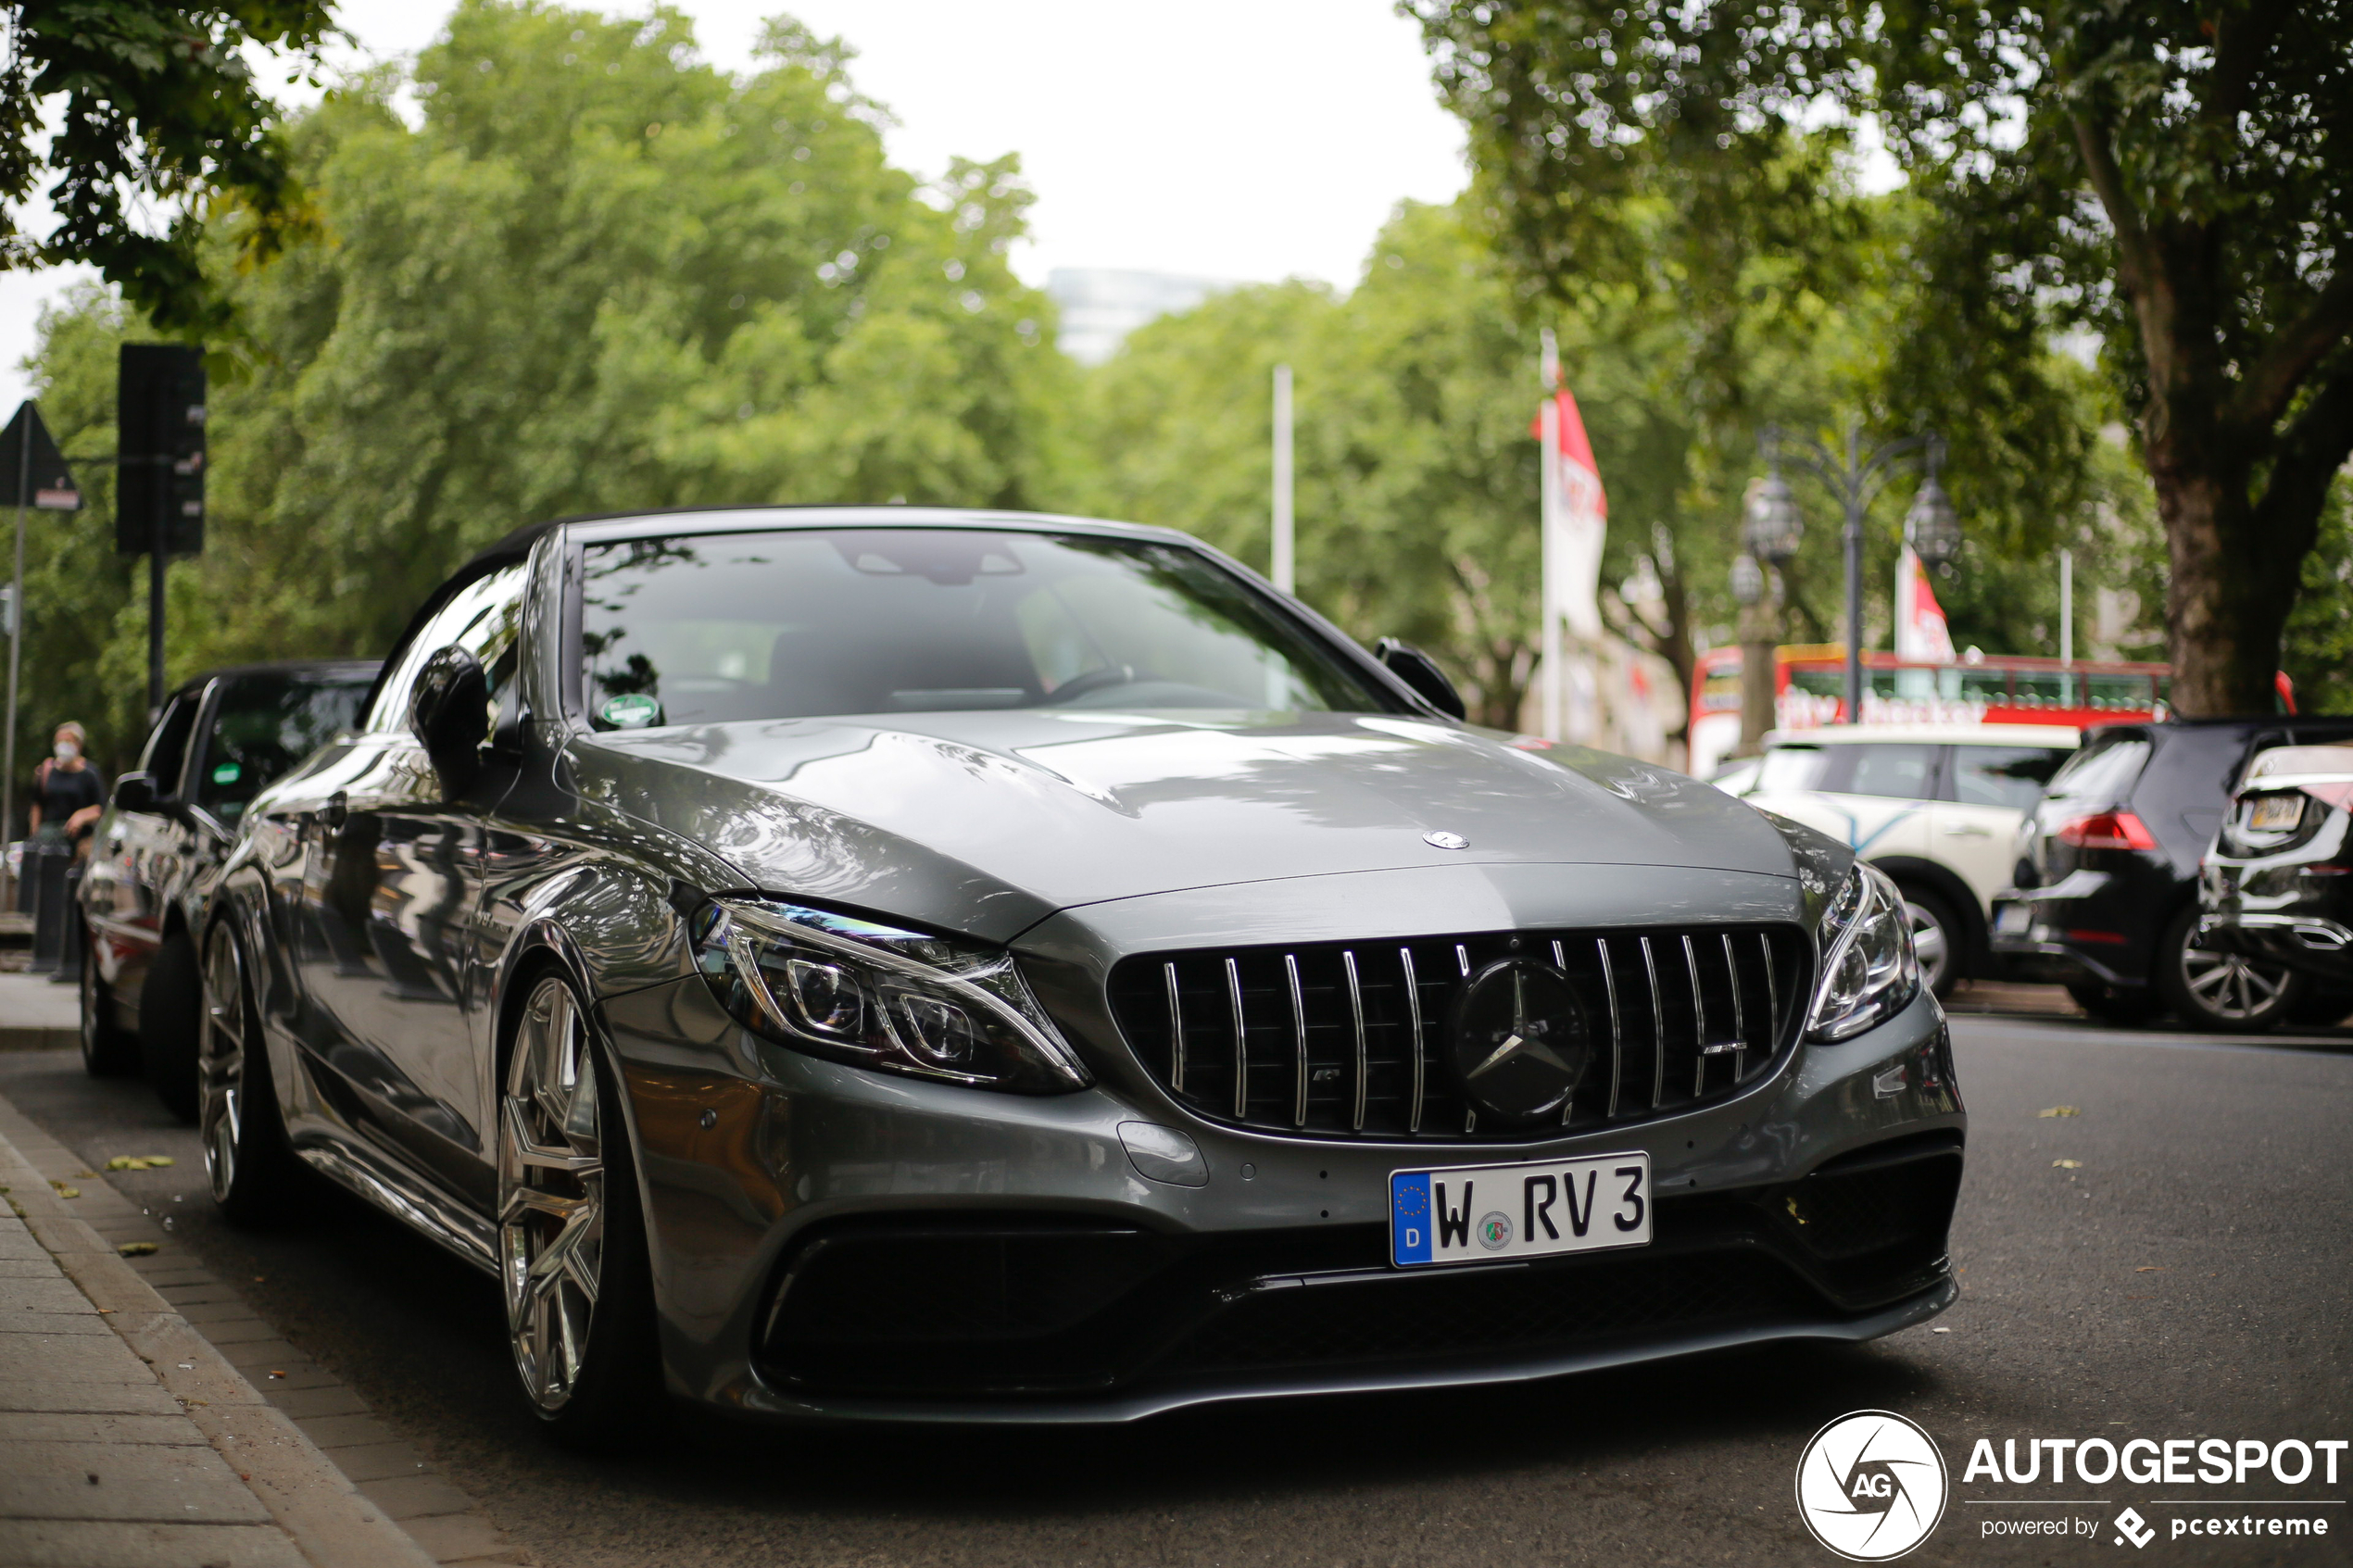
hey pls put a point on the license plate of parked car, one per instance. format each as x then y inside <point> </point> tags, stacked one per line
<point>1491,1213</point>
<point>2276,813</point>
<point>2013,919</point>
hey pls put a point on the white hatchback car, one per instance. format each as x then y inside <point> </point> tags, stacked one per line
<point>1935,807</point>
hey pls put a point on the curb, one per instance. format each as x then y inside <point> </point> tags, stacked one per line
<point>311,1499</point>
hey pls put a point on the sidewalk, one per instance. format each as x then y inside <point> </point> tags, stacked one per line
<point>128,1441</point>
<point>36,1015</point>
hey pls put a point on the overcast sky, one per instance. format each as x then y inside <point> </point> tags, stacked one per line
<point>1222,138</point>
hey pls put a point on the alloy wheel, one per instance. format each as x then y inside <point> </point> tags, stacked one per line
<point>2230,987</point>
<point>220,1061</point>
<point>551,1195</point>
<point>1931,943</point>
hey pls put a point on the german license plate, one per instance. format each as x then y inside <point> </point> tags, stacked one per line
<point>1491,1213</point>
<point>2013,919</point>
<point>2276,813</point>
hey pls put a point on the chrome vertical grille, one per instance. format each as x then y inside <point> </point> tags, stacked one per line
<point>1346,1039</point>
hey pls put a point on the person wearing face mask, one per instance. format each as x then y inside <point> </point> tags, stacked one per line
<point>68,792</point>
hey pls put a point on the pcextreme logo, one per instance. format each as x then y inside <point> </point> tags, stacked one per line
<point>1871,1486</point>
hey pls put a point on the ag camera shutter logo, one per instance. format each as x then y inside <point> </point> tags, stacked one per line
<point>1871,1486</point>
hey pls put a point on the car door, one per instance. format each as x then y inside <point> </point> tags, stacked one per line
<point>392,871</point>
<point>1987,792</point>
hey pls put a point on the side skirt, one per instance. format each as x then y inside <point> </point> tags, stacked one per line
<point>401,1194</point>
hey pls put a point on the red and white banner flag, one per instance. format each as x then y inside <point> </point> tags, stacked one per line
<point>1921,633</point>
<point>1580,520</point>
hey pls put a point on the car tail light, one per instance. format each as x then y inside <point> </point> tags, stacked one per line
<point>2107,830</point>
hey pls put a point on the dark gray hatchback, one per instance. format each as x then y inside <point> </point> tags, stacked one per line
<point>220,738</point>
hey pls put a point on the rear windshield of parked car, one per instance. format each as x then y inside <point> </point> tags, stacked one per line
<point>708,627</point>
<point>263,725</point>
<point>2099,776</point>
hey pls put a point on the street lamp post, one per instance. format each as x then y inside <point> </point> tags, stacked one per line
<point>1855,481</point>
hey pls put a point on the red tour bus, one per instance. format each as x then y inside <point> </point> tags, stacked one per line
<point>1810,683</point>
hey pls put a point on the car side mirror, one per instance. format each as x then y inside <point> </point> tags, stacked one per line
<point>1421,673</point>
<point>450,712</point>
<point>135,792</point>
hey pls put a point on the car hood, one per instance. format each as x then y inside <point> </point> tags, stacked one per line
<point>988,822</point>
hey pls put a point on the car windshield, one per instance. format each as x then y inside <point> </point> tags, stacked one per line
<point>2008,776</point>
<point>266,724</point>
<point>1791,767</point>
<point>704,628</point>
<point>2099,776</point>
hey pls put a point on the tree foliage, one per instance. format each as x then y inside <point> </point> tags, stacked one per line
<point>1416,471</point>
<point>598,275</point>
<point>151,110</point>
<point>2179,178</point>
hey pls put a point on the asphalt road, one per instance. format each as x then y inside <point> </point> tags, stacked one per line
<point>2188,1277</point>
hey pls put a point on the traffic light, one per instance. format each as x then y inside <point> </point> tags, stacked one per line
<point>160,424</point>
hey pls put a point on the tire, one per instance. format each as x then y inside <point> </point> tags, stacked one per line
<point>253,1172</point>
<point>170,1024</point>
<point>2114,1004</point>
<point>2222,992</point>
<point>571,1239</point>
<point>109,1050</point>
<point>1937,930</point>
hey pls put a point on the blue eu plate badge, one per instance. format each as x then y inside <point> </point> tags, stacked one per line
<point>1489,1213</point>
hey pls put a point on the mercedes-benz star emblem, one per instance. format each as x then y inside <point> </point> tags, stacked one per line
<point>1519,1040</point>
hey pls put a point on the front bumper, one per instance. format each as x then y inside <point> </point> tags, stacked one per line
<point>835,1244</point>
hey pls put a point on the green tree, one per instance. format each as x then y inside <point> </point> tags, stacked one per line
<point>2176,177</point>
<point>139,109</point>
<point>600,275</point>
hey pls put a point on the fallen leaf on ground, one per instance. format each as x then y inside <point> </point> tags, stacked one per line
<point>138,1161</point>
<point>136,1248</point>
<point>65,1191</point>
<point>2062,1111</point>
<point>2152,1268</point>
<point>277,1375</point>
<point>2066,1165</point>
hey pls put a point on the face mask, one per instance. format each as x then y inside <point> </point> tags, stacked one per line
<point>67,751</point>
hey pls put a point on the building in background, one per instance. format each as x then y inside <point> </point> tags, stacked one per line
<point>1099,306</point>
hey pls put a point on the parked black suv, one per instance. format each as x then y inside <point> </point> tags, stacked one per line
<point>220,738</point>
<point>2105,900</point>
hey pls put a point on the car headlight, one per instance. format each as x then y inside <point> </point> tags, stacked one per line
<point>873,995</point>
<point>1870,973</point>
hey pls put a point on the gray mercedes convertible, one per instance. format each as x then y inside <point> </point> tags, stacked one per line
<point>970,966</point>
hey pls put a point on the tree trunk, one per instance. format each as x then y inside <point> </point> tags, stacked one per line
<point>2226,606</point>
